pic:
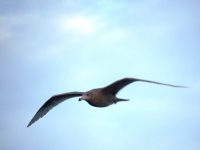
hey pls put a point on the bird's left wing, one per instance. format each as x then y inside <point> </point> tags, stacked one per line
<point>115,87</point>
<point>52,102</point>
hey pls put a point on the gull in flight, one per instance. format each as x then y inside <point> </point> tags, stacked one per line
<point>99,97</point>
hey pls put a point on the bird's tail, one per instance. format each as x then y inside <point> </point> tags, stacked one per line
<point>120,100</point>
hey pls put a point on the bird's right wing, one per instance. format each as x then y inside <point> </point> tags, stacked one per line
<point>52,102</point>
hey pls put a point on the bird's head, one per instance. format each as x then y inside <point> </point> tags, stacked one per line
<point>90,95</point>
<point>86,96</point>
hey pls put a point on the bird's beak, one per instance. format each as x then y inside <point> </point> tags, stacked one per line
<point>81,98</point>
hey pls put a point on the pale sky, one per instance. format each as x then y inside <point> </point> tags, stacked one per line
<point>50,47</point>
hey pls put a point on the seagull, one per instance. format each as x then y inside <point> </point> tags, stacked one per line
<point>99,97</point>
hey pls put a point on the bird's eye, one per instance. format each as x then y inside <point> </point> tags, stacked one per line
<point>88,94</point>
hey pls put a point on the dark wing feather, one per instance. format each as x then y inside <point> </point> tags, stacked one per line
<point>115,87</point>
<point>52,102</point>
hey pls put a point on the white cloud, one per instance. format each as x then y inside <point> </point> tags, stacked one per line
<point>78,24</point>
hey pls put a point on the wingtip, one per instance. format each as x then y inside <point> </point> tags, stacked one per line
<point>182,86</point>
<point>29,125</point>
<point>186,87</point>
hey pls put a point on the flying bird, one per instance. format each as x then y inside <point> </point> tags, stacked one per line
<point>99,97</point>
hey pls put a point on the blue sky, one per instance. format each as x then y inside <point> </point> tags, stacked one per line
<point>50,47</point>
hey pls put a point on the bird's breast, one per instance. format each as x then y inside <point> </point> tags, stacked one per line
<point>102,101</point>
<point>98,103</point>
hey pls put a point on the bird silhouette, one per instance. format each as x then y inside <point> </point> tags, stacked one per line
<point>99,97</point>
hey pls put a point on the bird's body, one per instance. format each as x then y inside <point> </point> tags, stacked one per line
<point>99,97</point>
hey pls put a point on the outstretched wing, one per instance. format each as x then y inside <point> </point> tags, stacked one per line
<point>52,102</point>
<point>115,87</point>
